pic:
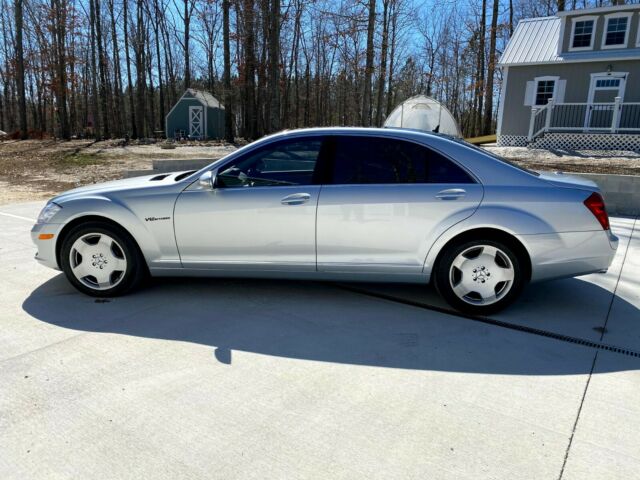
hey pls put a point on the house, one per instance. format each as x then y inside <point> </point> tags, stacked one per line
<point>197,115</point>
<point>572,81</point>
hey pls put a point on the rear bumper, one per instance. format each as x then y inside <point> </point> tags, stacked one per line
<point>46,254</point>
<point>569,254</point>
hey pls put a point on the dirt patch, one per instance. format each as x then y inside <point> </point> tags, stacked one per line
<point>39,169</point>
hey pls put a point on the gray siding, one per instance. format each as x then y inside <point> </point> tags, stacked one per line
<point>599,30</point>
<point>515,115</point>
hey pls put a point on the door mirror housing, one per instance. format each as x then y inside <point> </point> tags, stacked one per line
<point>207,180</point>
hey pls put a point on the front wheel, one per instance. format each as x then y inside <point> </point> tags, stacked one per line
<point>101,260</point>
<point>479,276</point>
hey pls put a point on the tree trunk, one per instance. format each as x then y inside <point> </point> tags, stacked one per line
<point>117,75</point>
<point>274,66</point>
<point>102,71</point>
<point>383,61</point>
<point>479,87</point>
<point>188,9</point>
<point>22,104</point>
<point>250,119</point>
<point>228,113</point>
<point>59,35</point>
<point>368,72</point>
<point>394,32</point>
<point>488,103</point>
<point>140,70</point>
<point>132,110</point>
<point>156,32</point>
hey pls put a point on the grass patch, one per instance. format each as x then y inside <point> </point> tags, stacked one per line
<point>79,159</point>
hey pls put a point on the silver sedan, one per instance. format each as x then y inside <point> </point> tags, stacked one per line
<point>348,204</point>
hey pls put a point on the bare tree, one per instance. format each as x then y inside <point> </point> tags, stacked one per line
<point>22,104</point>
<point>368,72</point>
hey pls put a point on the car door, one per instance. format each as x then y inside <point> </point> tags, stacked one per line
<point>260,215</point>
<point>386,202</point>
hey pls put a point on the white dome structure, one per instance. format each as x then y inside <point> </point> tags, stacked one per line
<point>423,113</point>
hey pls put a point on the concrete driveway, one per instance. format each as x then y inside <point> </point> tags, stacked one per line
<point>263,379</point>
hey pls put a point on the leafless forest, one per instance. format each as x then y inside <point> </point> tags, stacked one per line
<point>114,68</point>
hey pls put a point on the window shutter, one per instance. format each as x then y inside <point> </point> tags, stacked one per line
<point>560,88</point>
<point>529,93</point>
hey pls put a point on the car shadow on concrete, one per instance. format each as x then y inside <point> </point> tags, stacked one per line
<point>311,321</point>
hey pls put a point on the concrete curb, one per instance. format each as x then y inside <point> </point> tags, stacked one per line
<point>621,192</point>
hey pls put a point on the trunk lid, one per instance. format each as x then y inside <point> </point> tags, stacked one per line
<point>560,179</point>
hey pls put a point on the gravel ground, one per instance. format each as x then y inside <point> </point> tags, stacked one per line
<point>39,169</point>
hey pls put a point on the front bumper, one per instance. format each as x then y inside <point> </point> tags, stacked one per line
<point>46,253</point>
<point>570,254</point>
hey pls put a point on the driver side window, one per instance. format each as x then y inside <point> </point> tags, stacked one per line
<point>291,162</point>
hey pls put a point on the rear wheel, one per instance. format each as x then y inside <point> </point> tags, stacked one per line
<point>479,276</point>
<point>101,260</point>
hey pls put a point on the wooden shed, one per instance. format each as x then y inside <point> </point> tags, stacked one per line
<point>196,115</point>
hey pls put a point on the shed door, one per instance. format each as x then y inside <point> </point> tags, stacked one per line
<point>196,122</point>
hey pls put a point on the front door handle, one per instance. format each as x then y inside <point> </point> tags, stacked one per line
<point>296,199</point>
<point>451,194</point>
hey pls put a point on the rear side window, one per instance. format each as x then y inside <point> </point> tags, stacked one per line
<point>370,160</point>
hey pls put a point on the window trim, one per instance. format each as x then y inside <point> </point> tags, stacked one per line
<point>584,18</point>
<point>545,78</point>
<point>330,159</point>
<point>609,17</point>
<point>638,34</point>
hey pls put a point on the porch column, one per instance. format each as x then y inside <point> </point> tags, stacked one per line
<point>547,119</point>
<point>532,120</point>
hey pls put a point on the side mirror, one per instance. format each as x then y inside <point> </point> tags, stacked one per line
<point>207,180</point>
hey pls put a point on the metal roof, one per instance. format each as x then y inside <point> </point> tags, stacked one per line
<point>535,40</point>
<point>204,97</point>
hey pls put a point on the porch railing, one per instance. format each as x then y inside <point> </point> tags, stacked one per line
<point>614,117</point>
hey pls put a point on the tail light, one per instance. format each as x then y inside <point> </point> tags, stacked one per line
<point>595,204</point>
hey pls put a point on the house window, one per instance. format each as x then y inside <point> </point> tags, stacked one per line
<point>609,83</point>
<point>616,31</point>
<point>544,91</point>
<point>582,34</point>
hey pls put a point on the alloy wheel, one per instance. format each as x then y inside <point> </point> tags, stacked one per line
<point>481,275</point>
<point>97,261</point>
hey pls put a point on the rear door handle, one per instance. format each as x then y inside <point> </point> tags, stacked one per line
<point>451,194</point>
<point>296,199</point>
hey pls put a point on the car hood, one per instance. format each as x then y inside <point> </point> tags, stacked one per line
<point>559,179</point>
<point>99,189</point>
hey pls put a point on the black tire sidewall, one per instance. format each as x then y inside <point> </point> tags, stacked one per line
<point>441,278</point>
<point>134,273</point>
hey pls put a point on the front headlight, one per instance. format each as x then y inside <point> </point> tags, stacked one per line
<point>47,213</point>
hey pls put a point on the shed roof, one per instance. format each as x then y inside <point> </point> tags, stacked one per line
<point>204,97</point>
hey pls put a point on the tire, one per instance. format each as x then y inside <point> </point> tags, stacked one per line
<point>102,260</point>
<point>479,277</point>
